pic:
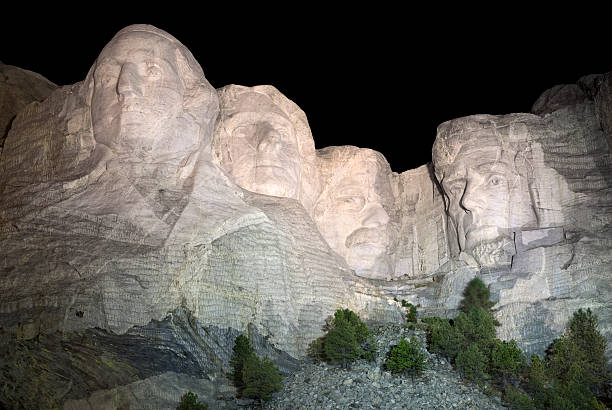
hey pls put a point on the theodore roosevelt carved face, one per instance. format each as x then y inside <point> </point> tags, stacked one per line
<point>484,171</point>
<point>350,212</point>
<point>150,98</point>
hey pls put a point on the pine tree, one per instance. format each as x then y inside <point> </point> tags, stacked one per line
<point>472,363</point>
<point>242,351</point>
<point>260,378</point>
<point>341,346</point>
<point>476,294</point>
<point>407,358</point>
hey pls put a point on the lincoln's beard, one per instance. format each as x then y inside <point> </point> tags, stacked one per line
<point>494,253</point>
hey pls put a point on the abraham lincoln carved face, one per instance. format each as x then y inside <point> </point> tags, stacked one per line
<point>485,173</point>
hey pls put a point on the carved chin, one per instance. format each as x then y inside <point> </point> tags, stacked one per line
<point>274,181</point>
<point>368,260</point>
<point>495,253</point>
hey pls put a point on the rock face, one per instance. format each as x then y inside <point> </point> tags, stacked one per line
<point>147,219</point>
<point>264,143</point>
<point>123,218</point>
<point>528,204</point>
<point>19,88</point>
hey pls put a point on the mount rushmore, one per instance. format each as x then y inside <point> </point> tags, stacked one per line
<point>148,218</point>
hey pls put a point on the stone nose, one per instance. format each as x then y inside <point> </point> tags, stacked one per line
<point>471,200</point>
<point>129,82</point>
<point>374,216</point>
<point>269,142</point>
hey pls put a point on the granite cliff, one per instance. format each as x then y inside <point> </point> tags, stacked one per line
<point>147,219</point>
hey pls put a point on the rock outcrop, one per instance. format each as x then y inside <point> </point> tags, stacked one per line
<point>147,219</point>
<point>528,204</point>
<point>121,219</point>
<point>19,88</point>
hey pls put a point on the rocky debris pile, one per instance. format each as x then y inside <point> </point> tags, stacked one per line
<point>369,386</point>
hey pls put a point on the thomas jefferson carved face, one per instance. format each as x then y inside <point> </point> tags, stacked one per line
<point>488,197</point>
<point>138,96</point>
<point>349,212</point>
<point>263,149</point>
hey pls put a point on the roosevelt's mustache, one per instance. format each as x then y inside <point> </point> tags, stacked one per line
<point>367,235</point>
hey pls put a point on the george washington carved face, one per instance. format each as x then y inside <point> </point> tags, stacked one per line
<point>149,97</point>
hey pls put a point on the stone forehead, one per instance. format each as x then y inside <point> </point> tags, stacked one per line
<point>148,29</point>
<point>267,99</point>
<point>335,162</point>
<point>509,132</point>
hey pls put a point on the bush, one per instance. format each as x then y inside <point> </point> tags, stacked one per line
<point>411,313</point>
<point>506,360</point>
<point>242,351</point>
<point>472,363</point>
<point>443,338</point>
<point>475,294</point>
<point>189,401</point>
<point>347,339</point>
<point>406,358</point>
<point>260,378</point>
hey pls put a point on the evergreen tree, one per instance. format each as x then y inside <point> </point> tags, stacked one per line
<point>406,358</point>
<point>507,360</point>
<point>476,327</point>
<point>444,338</point>
<point>260,378</point>
<point>189,401</point>
<point>341,345</point>
<point>242,351</point>
<point>472,363</point>
<point>476,294</point>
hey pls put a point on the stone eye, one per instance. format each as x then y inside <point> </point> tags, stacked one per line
<point>495,180</point>
<point>153,70</point>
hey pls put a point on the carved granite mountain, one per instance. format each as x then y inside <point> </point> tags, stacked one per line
<point>121,238</point>
<point>19,88</point>
<point>147,219</point>
<point>528,199</point>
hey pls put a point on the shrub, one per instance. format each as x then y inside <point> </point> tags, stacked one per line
<point>406,358</point>
<point>506,360</point>
<point>347,339</point>
<point>443,338</point>
<point>476,294</point>
<point>242,351</point>
<point>189,401</point>
<point>472,363</point>
<point>260,378</point>
<point>411,313</point>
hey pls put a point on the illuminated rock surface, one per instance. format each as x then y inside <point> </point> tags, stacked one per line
<point>19,88</point>
<point>139,237</point>
<point>529,206</point>
<point>120,218</point>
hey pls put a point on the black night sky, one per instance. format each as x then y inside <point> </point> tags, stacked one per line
<point>377,79</point>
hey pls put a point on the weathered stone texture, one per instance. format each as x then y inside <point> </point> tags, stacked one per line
<point>528,199</point>
<point>19,88</point>
<point>130,231</point>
